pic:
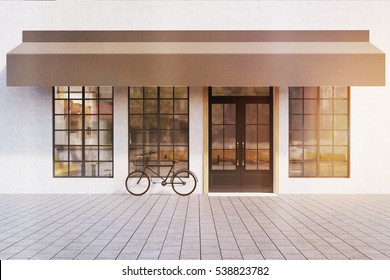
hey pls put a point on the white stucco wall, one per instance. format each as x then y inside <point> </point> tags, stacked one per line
<point>26,113</point>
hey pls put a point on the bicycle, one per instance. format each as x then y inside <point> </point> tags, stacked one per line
<point>138,182</point>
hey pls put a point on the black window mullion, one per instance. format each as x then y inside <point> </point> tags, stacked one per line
<point>83,164</point>
<point>68,129</point>
<point>98,129</point>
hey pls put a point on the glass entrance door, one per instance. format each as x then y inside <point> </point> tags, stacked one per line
<point>240,144</point>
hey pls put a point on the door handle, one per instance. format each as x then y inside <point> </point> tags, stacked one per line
<point>243,153</point>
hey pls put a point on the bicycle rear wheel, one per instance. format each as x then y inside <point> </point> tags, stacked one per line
<point>137,183</point>
<point>184,182</point>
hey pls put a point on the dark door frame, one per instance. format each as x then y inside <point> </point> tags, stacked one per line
<point>241,101</point>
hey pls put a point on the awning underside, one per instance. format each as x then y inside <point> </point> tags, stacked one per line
<point>196,64</point>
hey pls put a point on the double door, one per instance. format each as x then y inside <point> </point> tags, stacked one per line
<point>240,153</point>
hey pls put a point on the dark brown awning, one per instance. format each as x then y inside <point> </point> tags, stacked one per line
<point>227,58</point>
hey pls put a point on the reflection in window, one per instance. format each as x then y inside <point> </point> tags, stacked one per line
<point>158,121</point>
<point>319,131</point>
<point>83,132</point>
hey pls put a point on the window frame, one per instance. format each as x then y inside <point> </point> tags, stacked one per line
<point>84,130</point>
<point>317,130</point>
<point>156,159</point>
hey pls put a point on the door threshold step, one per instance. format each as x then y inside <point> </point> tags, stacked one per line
<point>240,194</point>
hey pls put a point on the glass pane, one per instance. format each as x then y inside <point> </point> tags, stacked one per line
<point>310,137</point>
<point>230,159</point>
<point>166,152</point>
<point>251,136</point>
<point>310,153</point>
<point>217,137</point>
<point>105,169</point>
<point>61,153</point>
<point>340,106</point>
<point>341,92</point>
<point>296,92</point>
<point>61,122</point>
<point>263,137</point>
<point>61,169</point>
<point>216,159</point>
<point>136,137</point>
<point>310,107</point>
<point>296,106</point>
<point>296,122</point>
<point>166,106</point>
<point>326,92</point>
<point>296,137</point>
<point>105,152</point>
<point>181,107</point>
<point>310,122</point>
<point>310,92</point>
<point>326,169</point>
<point>61,138</point>
<point>91,137</point>
<point>91,92</point>
<point>136,92</point>
<point>229,136</point>
<point>340,154</point>
<point>75,169</point>
<point>105,92</point>
<point>217,113</point>
<point>76,107</point>
<point>166,122</point>
<point>91,153</point>
<point>263,113</point>
<point>76,137</point>
<point>150,92</point>
<point>75,92</point>
<point>136,106</point>
<point>340,137</point>
<point>240,91</point>
<point>326,106</point>
<point>181,153</point>
<point>251,159</point>
<point>326,153</point>
<point>251,114</point>
<point>150,137</point>
<point>105,122</point>
<point>166,137</point>
<point>105,137</point>
<point>136,121</point>
<point>61,107</point>
<point>61,93</point>
<point>326,122</point>
<point>296,169</point>
<point>340,169</point>
<point>263,159</point>
<point>150,106</point>
<point>181,92</point>
<point>309,169</point>
<point>91,169</point>
<point>76,122</point>
<point>166,92</point>
<point>91,122</point>
<point>91,107</point>
<point>151,122</point>
<point>326,137</point>
<point>296,153</point>
<point>230,114</point>
<point>75,153</point>
<point>340,122</point>
<point>181,122</point>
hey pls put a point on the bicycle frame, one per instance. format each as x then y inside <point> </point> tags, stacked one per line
<point>148,166</point>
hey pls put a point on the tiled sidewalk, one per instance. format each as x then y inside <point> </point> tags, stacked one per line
<point>194,227</point>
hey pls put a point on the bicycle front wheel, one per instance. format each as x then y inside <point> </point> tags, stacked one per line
<point>137,183</point>
<point>184,182</point>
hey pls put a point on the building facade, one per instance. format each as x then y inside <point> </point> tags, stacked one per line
<point>263,110</point>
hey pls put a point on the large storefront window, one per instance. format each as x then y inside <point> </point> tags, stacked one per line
<point>83,132</point>
<point>319,131</point>
<point>159,121</point>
